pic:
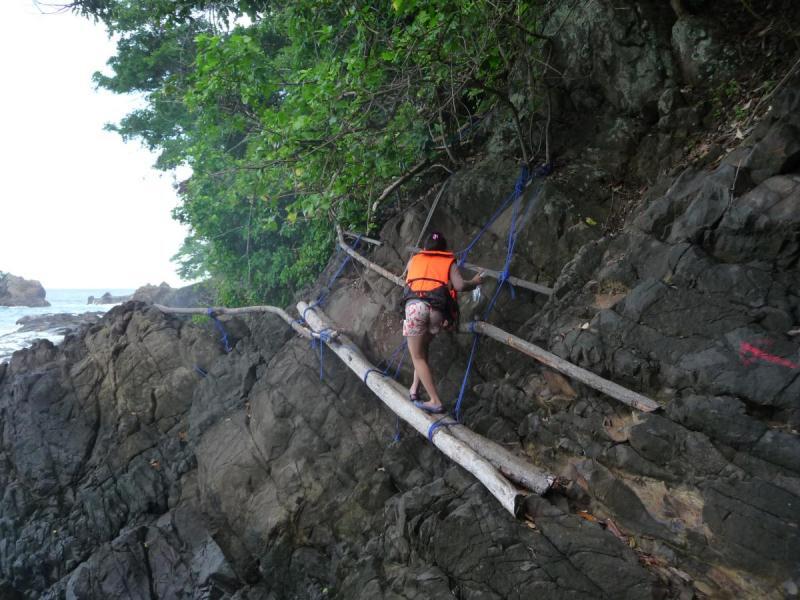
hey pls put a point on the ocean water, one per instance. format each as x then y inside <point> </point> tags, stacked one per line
<point>62,301</point>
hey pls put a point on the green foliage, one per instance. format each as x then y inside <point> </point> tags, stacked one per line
<point>722,96</point>
<point>299,115</point>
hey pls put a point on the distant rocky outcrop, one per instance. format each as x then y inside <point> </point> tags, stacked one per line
<point>197,294</point>
<point>107,298</point>
<point>60,324</point>
<point>16,291</point>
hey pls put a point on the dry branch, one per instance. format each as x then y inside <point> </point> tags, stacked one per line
<point>221,310</point>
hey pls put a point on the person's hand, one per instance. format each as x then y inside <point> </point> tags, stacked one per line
<point>478,279</point>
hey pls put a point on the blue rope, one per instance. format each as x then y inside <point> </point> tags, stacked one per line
<point>323,295</point>
<point>324,336</point>
<point>512,241</point>
<point>400,349</point>
<point>308,308</point>
<point>459,135</point>
<point>513,232</point>
<point>390,363</point>
<point>224,338</point>
<point>438,425</point>
<point>371,371</point>
<point>476,338</point>
<point>201,371</point>
<point>519,186</point>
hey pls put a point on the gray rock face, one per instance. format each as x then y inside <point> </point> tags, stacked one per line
<point>704,60</point>
<point>140,460</point>
<point>616,53</point>
<point>16,291</point>
<point>706,291</point>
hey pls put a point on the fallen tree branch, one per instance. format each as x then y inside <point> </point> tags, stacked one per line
<point>363,238</point>
<point>221,310</point>
<point>367,263</point>
<point>609,388</point>
<point>402,179</point>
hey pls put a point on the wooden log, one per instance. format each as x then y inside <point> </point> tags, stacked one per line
<point>363,238</point>
<point>515,281</point>
<point>515,468</point>
<point>395,397</point>
<point>221,310</point>
<point>549,359</point>
<point>367,263</point>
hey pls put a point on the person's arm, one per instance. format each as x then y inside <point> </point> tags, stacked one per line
<point>460,284</point>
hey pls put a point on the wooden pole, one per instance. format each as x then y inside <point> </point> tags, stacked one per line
<point>221,310</point>
<point>549,359</point>
<point>515,281</point>
<point>396,398</point>
<point>370,265</point>
<point>363,238</point>
<point>515,468</point>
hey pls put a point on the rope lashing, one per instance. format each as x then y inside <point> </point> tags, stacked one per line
<point>366,375</point>
<point>308,308</point>
<point>443,422</point>
<point>223,333</point>
<point>324,337</point>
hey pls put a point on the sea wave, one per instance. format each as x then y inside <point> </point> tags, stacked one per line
<point>61,302</point>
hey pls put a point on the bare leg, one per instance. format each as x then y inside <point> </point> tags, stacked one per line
<point>414,384</point>
<point>418,348</point>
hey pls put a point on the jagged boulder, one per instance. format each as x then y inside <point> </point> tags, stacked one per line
<point>16,291</point>
<point>108,298</point>
<point>196,294</point>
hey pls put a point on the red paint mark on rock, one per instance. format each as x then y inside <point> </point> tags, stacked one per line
<point>750,354</point>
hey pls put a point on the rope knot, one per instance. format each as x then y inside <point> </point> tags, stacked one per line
<point>441,423</point>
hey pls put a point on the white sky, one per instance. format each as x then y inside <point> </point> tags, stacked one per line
<point>78,207</point>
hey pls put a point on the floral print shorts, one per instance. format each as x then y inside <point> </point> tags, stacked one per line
<point>421,318</point>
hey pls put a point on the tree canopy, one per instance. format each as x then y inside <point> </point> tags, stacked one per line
<point>295,114</point>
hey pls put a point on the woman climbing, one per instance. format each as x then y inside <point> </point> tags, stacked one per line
<point>430,305</point>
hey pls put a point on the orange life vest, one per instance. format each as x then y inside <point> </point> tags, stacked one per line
<point>429,270</point>
<point>428,280</point>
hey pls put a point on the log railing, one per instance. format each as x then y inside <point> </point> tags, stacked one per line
<point>609,388</point>
<point>515,281</point>
<point>221,310</point>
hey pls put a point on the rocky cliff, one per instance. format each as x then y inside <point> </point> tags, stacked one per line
<point>139,460</point>
<point>16,291</point>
